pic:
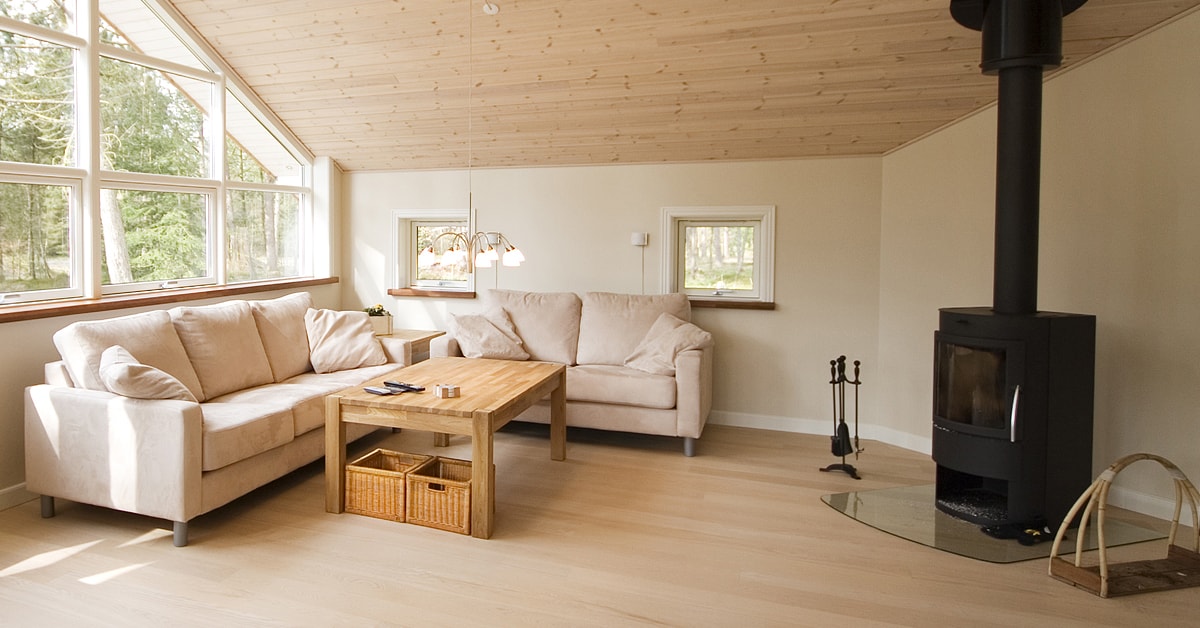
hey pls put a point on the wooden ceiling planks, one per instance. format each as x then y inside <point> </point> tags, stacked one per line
<point>383,84</point>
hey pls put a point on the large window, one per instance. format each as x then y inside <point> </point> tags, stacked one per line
<point>720,253</point>
<point>177,182</point>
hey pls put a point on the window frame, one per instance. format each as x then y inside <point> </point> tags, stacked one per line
<point>146,183</point>
<point>762,217</point>
<point>402,268</point>
<point>86,177</point>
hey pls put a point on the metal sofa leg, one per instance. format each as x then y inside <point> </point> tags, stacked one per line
<point>47,506</point>
<point>689,446</point>
<point>181,533</point>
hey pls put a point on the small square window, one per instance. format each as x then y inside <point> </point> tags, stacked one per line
<point>441,260</point>
<point>722,253</point>
<point>429,250</point>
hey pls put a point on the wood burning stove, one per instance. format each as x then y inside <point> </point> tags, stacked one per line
<point>1012,413</point>
<point>1012,425</point>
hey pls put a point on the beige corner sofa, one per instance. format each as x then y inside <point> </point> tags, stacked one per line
<point>635,362</point>
<point>172,413</point>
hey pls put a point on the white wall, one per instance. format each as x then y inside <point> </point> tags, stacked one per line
<point>1120,223</point>
<point>573,224</point>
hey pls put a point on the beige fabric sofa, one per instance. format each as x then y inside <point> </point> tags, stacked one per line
<point>258,414</point>
<point>595,335</point>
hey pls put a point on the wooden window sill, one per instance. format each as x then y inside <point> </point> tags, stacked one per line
<point>68,307</point>
<point>732,305</point>
<point>435,294</point>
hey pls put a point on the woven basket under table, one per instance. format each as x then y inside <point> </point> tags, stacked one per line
<point>375,484</point>
<point>439,495</point>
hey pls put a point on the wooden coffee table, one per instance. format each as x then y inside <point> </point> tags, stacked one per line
<point>493,392</point>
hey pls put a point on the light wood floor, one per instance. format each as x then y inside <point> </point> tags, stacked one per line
<point>627,531</point>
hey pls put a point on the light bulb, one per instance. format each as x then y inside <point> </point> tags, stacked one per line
<point>513,256</point>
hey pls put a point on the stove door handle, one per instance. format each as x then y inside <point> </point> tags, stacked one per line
<point>1012,422</point>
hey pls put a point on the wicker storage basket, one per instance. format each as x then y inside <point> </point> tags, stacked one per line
<point>1181,567</point>
<point>375,483</point>
<point>439,495</point>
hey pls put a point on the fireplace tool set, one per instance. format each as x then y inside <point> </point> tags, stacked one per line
<point>840,442</point>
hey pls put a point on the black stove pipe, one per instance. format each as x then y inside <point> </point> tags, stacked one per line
<point>1020,39</point>
<point>1018,183</point>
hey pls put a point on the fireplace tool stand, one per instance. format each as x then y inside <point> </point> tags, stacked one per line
<point>840,442</point>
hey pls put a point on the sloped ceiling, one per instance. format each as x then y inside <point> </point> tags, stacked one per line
<point>426,84</point>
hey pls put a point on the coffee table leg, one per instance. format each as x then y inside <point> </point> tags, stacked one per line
<point>483,476</point>
<point>335,455</point>
<point>558,420</point>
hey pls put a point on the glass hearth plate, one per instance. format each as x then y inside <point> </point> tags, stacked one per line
<point>909,513</point>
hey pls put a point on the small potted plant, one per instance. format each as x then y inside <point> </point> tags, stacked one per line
<point>381,319</point>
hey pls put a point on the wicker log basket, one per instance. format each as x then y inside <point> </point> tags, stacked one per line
<point>1181,567</point>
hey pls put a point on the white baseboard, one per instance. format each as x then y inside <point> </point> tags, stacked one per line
<point>922,445</point>
<point>1152,505</point>
<point>14,495</point>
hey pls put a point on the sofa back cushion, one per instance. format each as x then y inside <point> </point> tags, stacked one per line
<point>339,341</point>
<point>612,325</point>
<point>149,337</point>
<point>280,325</point>
<point>223,346</point>
<point>547,322</point>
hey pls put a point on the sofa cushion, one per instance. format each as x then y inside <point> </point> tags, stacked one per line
<point>611,325</point>
<point>620,385</point>
<point>236,431</point>
<point>125,376</point>
<point>341,340</point>
<point>666,338</point>
<point>307,401</point>
<point>223,345</point>
<point>489,335</point>
<point>149,337</point>
<point>547,322</point>
<point>280,325</point>
<point>343,379</point>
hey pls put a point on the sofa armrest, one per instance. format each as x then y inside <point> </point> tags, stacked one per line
<point>137,455</point>
<point>693,390</point>
<point>444,346</point>
<point>398,350</point>
<point>56,373</point>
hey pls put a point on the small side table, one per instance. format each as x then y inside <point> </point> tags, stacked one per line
<point>419,339</point>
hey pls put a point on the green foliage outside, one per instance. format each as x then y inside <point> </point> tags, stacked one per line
<point>36,122</point>
<point>718,258</point>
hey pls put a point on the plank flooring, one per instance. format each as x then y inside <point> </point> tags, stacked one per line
<point>626,532</point>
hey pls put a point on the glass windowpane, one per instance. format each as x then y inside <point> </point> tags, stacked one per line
<point>153,235</point>
<point>153,121</point>
<point>718,258</point>
<point>441,258</point>
<point>253,153</point>
<point>37,94</point>
<point>35,238</point>
<point>262,235</point>
<point>53,14</point>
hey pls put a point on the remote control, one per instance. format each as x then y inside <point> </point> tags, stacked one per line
<point>401,386</point>
<point>376,390</point>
